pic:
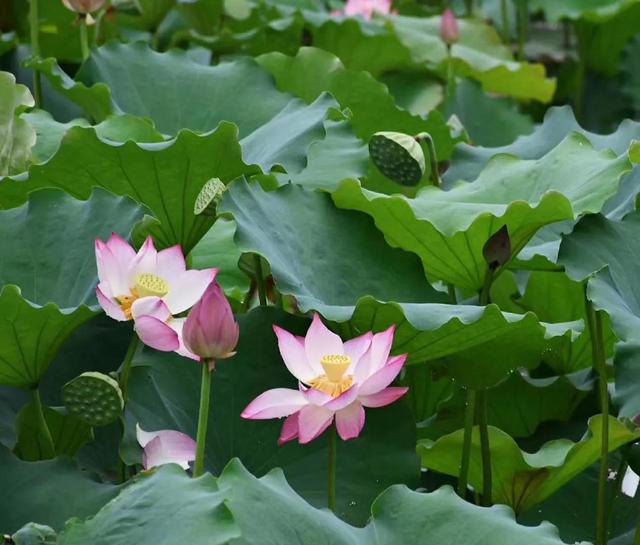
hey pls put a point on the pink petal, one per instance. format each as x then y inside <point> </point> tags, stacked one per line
<point>376,357</point>
<point>312,421</point>
<point>177,324</point>
<point>113,260</point>
<point>275,403</point>
<point>294,355</point>
<point>171,263</point>
<point>350,421</point>
<point>187,289</point>
<point>316,397</point>
<point>289,429</point>
<point>150,306</point>
<point>343,399</point>
<point>146,261</point>
<point>156,334</point>
<point>111,308</point>
<point>383,397</point>
<point>320,342</point>
<point>166,447</point>
<point>382,378</point>
<point>356,348</point>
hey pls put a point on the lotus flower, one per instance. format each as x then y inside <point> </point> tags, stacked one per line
<point>449,27</point>
<point>165,447</point>
<point>83,6</point>
<point>337,379</point>
<point>366,8</point>
<point>210,330</point>
<point>149,287</point>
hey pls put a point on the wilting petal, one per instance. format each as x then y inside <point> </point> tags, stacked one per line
<point>383,397</point>
<point>376,356</point>
<point>356,348</point>
<point>289,429</point>
<point>275,403</point>
<point>186,290</point>
<point>312,421</point>
<point>350,421</point>
<point>156,334</point>
<point>108,304</point>
<point>166,447</point>
<point>320,342</point>
<point>382,378</point>
<point>294,355</point>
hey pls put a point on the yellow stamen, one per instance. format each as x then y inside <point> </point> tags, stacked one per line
<point>151,285</point>
<point>126,301</point>
<point>333,382</point>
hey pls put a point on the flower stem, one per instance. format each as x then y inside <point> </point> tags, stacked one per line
<point>34,28</point>
<point>600,365</point>
<point>203,418</point>
<point>485,449</point>
<point>47,448</point>
<point>469,7</point>
<point>331,470</point>
<point>617,485</point>
<point>504,10</point>
<point>431,148</point>
<point>84,38</point>
<point>126,366</point>
<point>450,79</point>
<point>262,291</point>
<point>523,27</point>
<point>469,416</point>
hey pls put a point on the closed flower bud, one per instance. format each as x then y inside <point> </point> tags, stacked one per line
<point>449,27</point>
<point>210,330</point>
<point>84,6</point>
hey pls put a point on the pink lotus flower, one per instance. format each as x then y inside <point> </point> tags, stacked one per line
<point>449,27</point>
<point>366,8</point>
<point>210,330</point>
<point>165,447</point>
<point>149,287</point>
<point>337,379</point>
<point>83,6</point>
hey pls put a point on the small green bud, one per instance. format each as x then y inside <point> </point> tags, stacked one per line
<point>94,398</point>
<point>209,197</point>
<point>398,156</point>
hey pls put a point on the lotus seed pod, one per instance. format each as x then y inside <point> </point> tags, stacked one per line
<point>398,156</point>
<point>93,397</point>
<point>209,197</point>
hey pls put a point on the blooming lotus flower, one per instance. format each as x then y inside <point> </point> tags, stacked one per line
<point>149,287</point>
<point>83,7</point>
<point>366,8</point>
<point>337,380</point>
<point>210,330</point>
<point>165,447</point>
<point>449,27</point>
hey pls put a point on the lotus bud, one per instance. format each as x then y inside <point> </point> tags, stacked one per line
<point>83,7</point>
<point>449,27</point>
<point>497,250</point>
<point>209,197</point>
<point>210,330</point>
<point>398,156</point>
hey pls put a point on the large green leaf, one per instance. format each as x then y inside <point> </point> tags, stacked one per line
<point>335,262</point>
<point>165,177</point>
<point>45,296</point>
<point>269,512</point>
<point>166,506</point>
<point>571,180</point>
<point>522,479</point>
<point>313,71</point>
<point>17,137</point>
<point>49,492</point>
<point>161,395</point>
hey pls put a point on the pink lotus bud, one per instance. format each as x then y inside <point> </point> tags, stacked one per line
<point>83,6</point>
<point>210,330</point>
<point>449,27</point>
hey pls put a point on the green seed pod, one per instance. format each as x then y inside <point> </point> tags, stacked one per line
<point>398,156</point>
<point>95,398</point>
<point>209,197</point>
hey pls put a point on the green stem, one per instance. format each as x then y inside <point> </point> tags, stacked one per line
<point>581,75</point>
<point>47,449</point>
<point>262,291</point>
<point>504,11</point>
<point>451,290</point>
<point>485,449</point>
<point>84,38</point>
<point>34,27</point>
<point>617,485</point>
<point>600,365</point>
<point>469,416</point>
<point>523,27</point>
<point>485,293</point>
<point>433,157</point>
<point>331,470</point>
<point>636,539</point>
<point>203,418</point>
<point>126,366</point>
<point>470,7</point>
<point>451,80</point>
